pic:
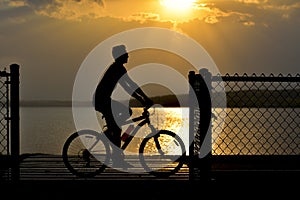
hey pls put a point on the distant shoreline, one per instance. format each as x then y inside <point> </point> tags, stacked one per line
<point>168,101</point>
<point>235,99</point>
<point>45,103</point>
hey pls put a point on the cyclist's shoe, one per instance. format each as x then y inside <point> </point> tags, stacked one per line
<point>118,159</point>
<point>121,164</point>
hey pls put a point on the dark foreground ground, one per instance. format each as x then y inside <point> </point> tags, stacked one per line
<point>239,185</point>
<point>45,177</point>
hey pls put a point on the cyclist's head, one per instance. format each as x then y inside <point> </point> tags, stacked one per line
<point>119,53</point>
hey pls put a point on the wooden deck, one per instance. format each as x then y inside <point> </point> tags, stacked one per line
<point>51,167</point>
<point>43,167</point>
<point>42,175</point>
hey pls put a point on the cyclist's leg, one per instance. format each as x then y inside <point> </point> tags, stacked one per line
<point>114,135</point>
<point>121,112</point>
<point>113,130</point>
<point>114,116</point>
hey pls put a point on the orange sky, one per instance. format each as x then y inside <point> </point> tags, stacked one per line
<point>50,39</point>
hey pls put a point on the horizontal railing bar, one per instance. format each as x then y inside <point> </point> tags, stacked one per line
<point>255,79</point>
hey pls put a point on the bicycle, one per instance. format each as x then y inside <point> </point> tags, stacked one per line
<point>162,153</point>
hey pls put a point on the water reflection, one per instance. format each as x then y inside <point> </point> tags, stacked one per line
<point>257,131</point>
<point>172,119</point>
<point>239,131</point>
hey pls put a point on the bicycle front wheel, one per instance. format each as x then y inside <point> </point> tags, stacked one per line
<point>162,154</point>
<point>85,153</point>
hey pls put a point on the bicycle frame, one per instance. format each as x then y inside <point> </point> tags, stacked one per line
<point>79,159</point>
<point>144,119</point>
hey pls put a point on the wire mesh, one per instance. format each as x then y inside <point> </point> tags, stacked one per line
<point>262,116</point>
<point>4,103</point>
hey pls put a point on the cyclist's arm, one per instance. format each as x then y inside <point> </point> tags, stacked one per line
<point>132,88</point>
<point>128,84</point>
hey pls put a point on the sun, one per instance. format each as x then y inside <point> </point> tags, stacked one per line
<point>178,5</point>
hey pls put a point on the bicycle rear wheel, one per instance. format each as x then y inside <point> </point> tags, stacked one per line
<point>162,154</point>
<point>85,153</point>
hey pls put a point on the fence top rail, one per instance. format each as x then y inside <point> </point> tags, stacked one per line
<point>4,73</point>
<point>257,78</point>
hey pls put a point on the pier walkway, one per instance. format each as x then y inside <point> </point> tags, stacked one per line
<point>44,167</point>
<point>45,176</point>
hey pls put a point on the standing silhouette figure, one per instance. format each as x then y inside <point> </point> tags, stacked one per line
<point>112,110</point>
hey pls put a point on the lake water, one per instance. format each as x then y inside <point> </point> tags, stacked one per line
<point>257,131</point>
<point>238,131</point>
<point>45,129</point>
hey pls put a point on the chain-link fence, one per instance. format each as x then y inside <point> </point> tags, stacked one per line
<point>261,115</point>
<point>4,113</point>
<point>9,123</point>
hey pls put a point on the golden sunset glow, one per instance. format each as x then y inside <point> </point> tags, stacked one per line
<point>178,5</point>
<point>236,60</point>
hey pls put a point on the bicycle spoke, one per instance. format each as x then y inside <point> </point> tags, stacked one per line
<point>85,153</point>
<point>161,154</point>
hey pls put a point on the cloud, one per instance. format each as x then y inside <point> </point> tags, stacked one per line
<point>16,3</point>
<point>68,9</point>
<point>8,4</point>
<point>285,9</point>
<point>245,12</point>
<point>127,10</point>
<point>143,17</point>
<point>275,5</point>
<point>252,1</point>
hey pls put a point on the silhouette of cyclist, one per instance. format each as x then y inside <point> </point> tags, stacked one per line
<point>112,110</point>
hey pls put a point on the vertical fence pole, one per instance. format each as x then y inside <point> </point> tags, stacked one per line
<point>15,121</point>
<point>191,78</point>
<point>200,133</point>
<point>205,124</point>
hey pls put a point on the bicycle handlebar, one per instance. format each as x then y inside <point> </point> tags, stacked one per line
<point>143,116</point>
<point>146,112</point>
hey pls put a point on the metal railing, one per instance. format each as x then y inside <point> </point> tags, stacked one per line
<point>261,116</point>
<point>9,124</point>
<point>4,113</point>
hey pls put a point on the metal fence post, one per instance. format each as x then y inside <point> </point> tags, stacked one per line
<point>15,121</point>
<point>205,105</point>
<point>199,126</point>
<point>191,78</point>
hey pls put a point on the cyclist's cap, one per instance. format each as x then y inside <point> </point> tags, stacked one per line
<point>118,51</point>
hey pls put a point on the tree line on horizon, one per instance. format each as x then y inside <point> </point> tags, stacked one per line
<point>234,99</point>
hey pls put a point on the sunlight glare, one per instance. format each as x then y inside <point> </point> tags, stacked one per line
<point>178,5</point>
